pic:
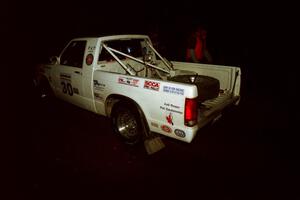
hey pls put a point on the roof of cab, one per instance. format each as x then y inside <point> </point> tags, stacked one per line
<point>114,37</point>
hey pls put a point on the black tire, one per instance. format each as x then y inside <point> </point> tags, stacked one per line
<point>127,122</point>
<point>43,89</point>
<point>208,87</point>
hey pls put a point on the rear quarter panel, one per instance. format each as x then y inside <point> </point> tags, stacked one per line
<point>162,102</point>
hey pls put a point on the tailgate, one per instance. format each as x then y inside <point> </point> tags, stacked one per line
<point>211,108</point>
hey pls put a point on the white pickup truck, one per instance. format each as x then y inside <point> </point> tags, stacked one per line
<point>125,78</point>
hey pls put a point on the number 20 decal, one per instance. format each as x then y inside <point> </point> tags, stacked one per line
<point>67,88</point>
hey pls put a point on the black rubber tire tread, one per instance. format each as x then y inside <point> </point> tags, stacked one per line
<point>126,106</point>
<point>44,88</point>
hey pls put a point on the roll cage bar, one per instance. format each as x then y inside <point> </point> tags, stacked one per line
<point>129,69</point>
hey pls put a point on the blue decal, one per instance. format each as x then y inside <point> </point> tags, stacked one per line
<point>173,90</point>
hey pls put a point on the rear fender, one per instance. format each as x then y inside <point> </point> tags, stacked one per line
<point>114,98</point>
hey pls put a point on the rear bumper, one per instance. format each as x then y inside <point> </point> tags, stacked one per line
<point>210,111</point>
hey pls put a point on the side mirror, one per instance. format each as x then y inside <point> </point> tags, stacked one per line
<point>53,60</point>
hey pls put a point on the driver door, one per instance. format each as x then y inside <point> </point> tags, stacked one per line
<point>68,74</point>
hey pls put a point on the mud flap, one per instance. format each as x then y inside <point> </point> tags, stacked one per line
<point>153,143</point>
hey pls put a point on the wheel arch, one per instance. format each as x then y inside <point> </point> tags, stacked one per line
<point>111,101</point>
<point>40,79</point>
<point>43,83</point>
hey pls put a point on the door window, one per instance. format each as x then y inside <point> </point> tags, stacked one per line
<point>73,54</point>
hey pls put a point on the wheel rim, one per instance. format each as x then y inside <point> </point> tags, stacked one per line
<point>127,124</point>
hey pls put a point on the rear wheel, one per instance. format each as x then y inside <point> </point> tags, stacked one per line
<point>127,122</point>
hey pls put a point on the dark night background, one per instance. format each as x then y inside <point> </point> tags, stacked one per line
<point>252,159</point>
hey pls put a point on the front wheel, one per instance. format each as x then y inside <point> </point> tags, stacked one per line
<point>43,89</point>
<point>127,122</point>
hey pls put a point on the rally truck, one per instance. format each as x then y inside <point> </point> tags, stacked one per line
<point>126,79</point>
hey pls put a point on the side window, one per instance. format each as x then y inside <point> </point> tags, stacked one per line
<point>105,56</point>
<point>73,55</point>
<point>131,47</point>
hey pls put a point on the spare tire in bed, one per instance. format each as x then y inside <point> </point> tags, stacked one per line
<point>208,87</point>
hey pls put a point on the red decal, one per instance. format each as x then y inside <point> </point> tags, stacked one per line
<point>89,59</point>
<point>151,85</point>
<point>165,128</point>
<point>170,119</point>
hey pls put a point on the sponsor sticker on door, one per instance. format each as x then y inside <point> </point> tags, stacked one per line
<point>128,81</point>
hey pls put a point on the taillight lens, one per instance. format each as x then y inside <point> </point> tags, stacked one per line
<point>191,112</point>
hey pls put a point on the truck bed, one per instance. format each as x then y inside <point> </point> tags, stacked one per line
<point>211,108</point>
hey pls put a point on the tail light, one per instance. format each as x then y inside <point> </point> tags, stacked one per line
<point>191,112</point>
